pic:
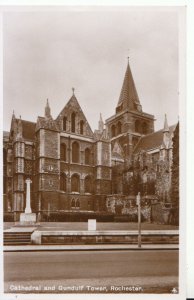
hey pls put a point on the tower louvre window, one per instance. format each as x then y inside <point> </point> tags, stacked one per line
<point>119,127</point>
<point>113,131</point>
<point>138,126</point>
<point>144,128</point>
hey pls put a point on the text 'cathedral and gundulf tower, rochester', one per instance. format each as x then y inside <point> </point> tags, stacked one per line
<point>73,168</point>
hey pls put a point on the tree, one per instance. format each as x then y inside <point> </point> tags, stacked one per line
<point>175,177</point>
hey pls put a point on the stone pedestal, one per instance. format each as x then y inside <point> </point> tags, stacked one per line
<point>28,218</point>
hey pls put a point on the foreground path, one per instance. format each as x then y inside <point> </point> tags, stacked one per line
<point>62,272</point>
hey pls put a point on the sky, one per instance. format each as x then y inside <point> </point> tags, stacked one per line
<point>47,53</point>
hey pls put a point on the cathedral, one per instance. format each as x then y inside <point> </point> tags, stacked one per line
<point>74,169</point>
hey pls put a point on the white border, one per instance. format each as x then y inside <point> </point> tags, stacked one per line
<point>11,5</point>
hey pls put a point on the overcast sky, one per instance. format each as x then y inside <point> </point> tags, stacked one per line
<point>46,53</point>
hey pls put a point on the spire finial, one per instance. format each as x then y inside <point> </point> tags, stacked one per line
<point>166,128</point>
<point>73,90</point>
<point>47,110</point>
<point>13,114</point>
<point>128,56</point>
<point>101,124</point>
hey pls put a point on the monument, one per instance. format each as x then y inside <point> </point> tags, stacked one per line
<point>28,218</point>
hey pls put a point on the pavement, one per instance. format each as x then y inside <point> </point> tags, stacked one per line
<point>71,226</point>
<point>90,247</point>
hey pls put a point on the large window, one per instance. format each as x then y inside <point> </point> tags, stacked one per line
<point>88,184</point>
<point>75,184</point>
<point>63,182</point>
<point>63,152</point>
<point>87,156</point>
<point>75,152</point>
<point>73,122</point>
<point>81,127</point>
<point>75,203</point>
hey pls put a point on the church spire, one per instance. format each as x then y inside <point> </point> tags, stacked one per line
<point>100,124</point>
<point>47,110</point>
<point>128,96</point>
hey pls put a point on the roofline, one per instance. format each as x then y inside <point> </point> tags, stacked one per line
<point>149,134</point>
<point>142,114</point>
<point>26,121</point>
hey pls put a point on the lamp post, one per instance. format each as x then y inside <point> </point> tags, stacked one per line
<point>138,202</point>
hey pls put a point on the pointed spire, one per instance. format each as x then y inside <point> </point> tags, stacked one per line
<point>73,90</point>
<point>20,129</point>
<point>100,124</point>
<point>128,96</point>
<point>13,114</point>
<point>166,128</point>
<point>47,110</point>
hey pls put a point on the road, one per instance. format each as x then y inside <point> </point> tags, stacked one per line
<point>60,269</point>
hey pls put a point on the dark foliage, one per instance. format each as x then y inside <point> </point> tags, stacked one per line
<point>175,178</point>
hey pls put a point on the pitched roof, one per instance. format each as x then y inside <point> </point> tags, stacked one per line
<point>152,141</point>
<point>128,96</point>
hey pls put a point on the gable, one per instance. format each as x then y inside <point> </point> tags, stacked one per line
<point>72,119</point>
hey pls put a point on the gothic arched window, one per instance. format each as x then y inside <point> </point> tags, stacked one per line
<point>75,184</point>
<point>81,127</point>
<point>75,152</point>
<point>87,156</point>
<point>63,152</point>
<point>88,184</point>
<point>73,122</point>
<point>72,203</point>
<point>77,204</point>
<point>63,182</point>
<point>113,130</point>
<point>64,124</point>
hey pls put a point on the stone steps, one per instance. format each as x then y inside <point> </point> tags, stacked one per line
<point>16,238</point>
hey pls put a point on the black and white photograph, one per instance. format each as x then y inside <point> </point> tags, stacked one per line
<point>91,151</point>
